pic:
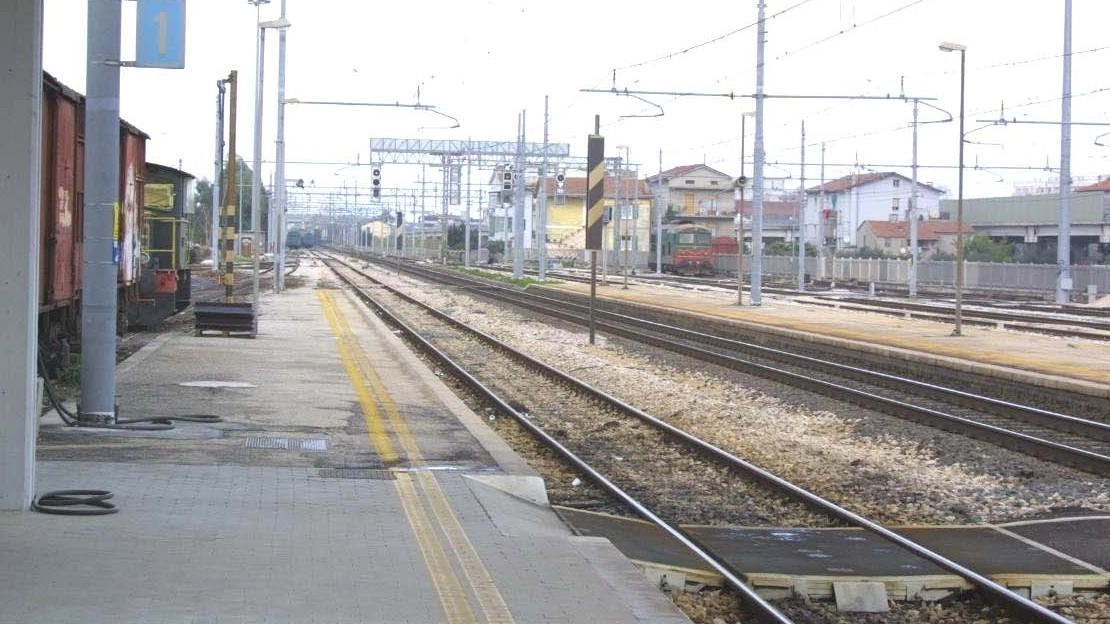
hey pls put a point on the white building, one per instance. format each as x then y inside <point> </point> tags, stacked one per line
<point>835,210</point>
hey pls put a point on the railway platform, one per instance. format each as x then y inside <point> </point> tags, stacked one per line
<point>1039,360</point>
<point>345,483</point>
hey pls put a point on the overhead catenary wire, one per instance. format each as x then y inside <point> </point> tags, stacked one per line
<point>851,28</point>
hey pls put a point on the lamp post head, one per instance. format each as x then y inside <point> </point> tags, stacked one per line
<point>279,24</point>
<point>948,46</point>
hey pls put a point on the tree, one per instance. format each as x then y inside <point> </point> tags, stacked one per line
<point>200,222</point>
<point>496,248</point>
<point>456,236</point>
<point>985,249</point>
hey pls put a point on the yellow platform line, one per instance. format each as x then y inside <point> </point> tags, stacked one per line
<point>452,597</point>
<point>489,597</point>
<point>485,590</point>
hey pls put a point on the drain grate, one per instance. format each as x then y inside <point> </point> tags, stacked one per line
<point>356,473</point>
<point>288,444</point>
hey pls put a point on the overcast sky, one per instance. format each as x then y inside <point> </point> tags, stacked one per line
<point>483,61</point>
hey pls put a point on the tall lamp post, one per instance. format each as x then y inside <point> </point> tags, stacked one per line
<point>256,176</point>
<point>948,46</point>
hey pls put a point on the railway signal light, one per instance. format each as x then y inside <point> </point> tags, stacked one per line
<point>560,181</point>
<point>506,180</point>
<point>741,182</point>
<point>376,181</point>
<point>400,218</point>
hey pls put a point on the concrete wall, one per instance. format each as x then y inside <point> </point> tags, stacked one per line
<point>20,178</point>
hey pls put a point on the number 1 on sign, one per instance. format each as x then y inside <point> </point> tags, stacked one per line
<point>162,20</point>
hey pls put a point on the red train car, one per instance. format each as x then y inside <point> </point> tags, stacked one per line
<point>62,211</point>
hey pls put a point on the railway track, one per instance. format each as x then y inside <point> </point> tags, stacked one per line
<point>1070,321</point>
<point>644,462</point>
<point>1082,443</point>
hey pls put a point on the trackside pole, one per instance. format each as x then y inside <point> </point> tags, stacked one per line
<point>595,209</point>
<point>593,292</point>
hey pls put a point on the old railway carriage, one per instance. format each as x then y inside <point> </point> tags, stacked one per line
<point>687,249</point>
<point>165,285</point>
<point>62,233</point>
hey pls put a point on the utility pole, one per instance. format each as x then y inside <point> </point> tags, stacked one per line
<point>443,215</point>
<point>633,236</point>
<point>280,194</point>
<point>214,230</point>
<point>541,230</point>
<point>1063,240</point>
<point>256,175</point>
<point>615,219</point>
<point>912,212</point>
<point>423,202</point>
<point>760,157</point>
<point>99,305</point>
<point>802,219</point>
<point>660,207</point>
<point>520,177</point>
<point>821,211</point>
<point>466,224</point>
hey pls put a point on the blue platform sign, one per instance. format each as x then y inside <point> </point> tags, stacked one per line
<point>160,34</point>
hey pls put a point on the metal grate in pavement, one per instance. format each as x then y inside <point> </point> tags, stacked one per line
<point>288,444</point>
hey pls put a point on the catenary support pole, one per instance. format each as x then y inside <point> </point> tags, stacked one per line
<point>20,197</point>
<point>821,216</point>
<point>277,214</point>
<point>756,296</point>
<point>660,208</point>
<point>541,225</point>
<point>466,223</point>
<point>911,214</point>
<point>102,250</point>
<point>801,242</point>
<point>521,180</point>
<point>256,174</point>
<point>1063,241</point>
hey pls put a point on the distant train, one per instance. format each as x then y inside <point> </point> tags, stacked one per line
<point>687,249</point>
<point>152,279</point>
<point>300,239</point>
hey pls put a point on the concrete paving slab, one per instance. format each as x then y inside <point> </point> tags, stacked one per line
<point>285,511</point>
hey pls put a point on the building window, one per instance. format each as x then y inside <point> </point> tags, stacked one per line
<point>897,182</point>
<point>690,182</point>
<point>894,203</point>
<point>714,183</point>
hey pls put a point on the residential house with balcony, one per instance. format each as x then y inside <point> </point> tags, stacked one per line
<point>695,191</point>
<point>566,213</point>
<point>837,209</point>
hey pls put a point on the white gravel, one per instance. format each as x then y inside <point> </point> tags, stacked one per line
<point>881,467</point>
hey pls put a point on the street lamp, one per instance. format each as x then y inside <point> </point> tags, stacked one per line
<point>948,46</point>
<point>256,177</point>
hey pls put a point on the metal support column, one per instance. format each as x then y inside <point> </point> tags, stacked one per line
<point>101,247</point>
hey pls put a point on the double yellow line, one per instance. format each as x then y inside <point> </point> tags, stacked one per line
<point>430,516</point>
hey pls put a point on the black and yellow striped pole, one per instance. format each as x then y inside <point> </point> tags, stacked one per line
<point>227,278</point>
<point>595,210</point>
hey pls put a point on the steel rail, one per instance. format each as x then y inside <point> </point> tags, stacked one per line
<point>766,610</point>
<point>1020,604</point>
<point>1081,458</point>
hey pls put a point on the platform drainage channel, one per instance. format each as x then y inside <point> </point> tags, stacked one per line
<point>356,473</point>
<point>288,444</point>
